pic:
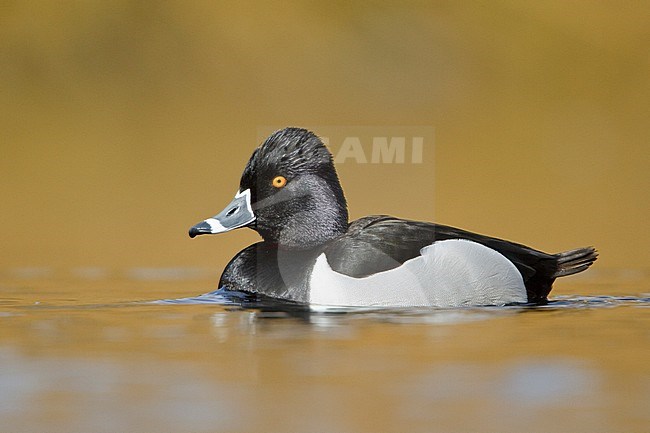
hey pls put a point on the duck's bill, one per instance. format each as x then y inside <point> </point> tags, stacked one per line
<point>237,214</point>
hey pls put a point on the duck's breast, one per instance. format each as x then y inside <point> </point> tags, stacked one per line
<point>449,273</point>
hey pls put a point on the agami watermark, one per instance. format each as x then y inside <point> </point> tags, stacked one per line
<point>373,144</point>
<point>384,150</point>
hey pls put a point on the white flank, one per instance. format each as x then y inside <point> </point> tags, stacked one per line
<point>450,273</point>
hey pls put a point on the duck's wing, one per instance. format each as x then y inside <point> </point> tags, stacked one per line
<point>380,243</point>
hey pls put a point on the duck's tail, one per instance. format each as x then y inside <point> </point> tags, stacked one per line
<point>574,261</point>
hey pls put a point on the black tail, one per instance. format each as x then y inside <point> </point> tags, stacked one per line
<point>574,261</point>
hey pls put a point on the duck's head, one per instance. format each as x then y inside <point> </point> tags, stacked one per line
<point>289,193</point>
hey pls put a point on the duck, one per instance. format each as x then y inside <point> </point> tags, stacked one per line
<point>290,194</point>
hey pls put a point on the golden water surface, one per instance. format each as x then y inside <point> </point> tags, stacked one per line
<point>123,123</point>
<point>105,361</point>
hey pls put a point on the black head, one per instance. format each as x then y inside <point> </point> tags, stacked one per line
<point>289,192</point>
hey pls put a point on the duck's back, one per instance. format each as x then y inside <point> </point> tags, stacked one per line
<point>380,243</point>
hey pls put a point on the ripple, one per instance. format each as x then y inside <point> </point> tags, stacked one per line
<point>269,308</point>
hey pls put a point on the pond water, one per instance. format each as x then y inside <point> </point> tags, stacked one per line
<point>132,354</point>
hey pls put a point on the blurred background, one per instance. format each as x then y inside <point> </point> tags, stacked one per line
<point>122,123</point>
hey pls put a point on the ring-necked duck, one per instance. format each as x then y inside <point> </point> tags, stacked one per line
<point>290,194</point>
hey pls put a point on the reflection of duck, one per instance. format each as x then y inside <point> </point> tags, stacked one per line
<point>290,194</point>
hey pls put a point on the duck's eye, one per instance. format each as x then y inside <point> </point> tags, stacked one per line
<point>279,181</point>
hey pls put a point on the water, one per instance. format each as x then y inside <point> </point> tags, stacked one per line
<point>107,354</point>
<point>123,123</point>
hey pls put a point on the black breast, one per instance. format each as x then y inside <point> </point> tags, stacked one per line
<point>264,268</point>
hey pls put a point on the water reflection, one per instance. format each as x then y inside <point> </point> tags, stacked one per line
<point>104,395</point>
<point>518,392</point>
<point>261,307</point>
<point>230,362</point>
<point>178,396</point>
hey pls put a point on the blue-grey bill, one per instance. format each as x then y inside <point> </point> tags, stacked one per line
<point>237,214</point>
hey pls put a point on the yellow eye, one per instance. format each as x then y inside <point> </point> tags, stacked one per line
<point>279,181</point>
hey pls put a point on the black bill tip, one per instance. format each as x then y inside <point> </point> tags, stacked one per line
<point>200,229</point>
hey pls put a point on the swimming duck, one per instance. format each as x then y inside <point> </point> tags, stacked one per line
<point>290,194</point>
